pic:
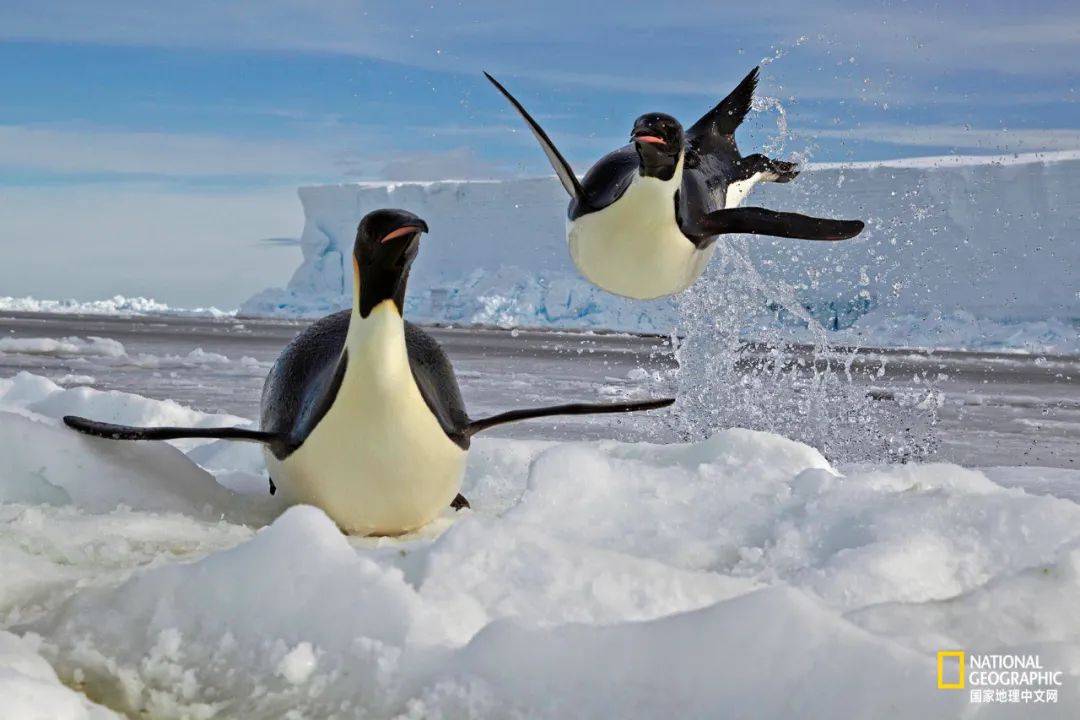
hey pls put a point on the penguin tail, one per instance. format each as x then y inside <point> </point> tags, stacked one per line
<point>729,113</point>
<point>129,432</point>
<point>572,409</point>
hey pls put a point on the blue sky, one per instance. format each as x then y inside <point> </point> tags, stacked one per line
<point>206,100</point>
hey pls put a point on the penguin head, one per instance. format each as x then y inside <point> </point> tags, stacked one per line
<point>386,245</point>
<point>658,139</point>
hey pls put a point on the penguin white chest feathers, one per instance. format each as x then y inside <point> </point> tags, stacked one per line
<point>378,461</point>
<point>634,247</point>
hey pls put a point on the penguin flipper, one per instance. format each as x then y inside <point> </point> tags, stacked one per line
<point>729,112</point>
<point>562,168</point>
<point>572,409</point>
<point>129,432</point>
<point>760,221</point>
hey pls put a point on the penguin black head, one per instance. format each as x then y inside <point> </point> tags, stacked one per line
<point>386,245</point>
<point>658,139</point>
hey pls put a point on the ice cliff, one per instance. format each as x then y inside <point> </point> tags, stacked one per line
<point>981,251</point>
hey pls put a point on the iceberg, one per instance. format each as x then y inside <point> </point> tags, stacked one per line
<point>952,241</point>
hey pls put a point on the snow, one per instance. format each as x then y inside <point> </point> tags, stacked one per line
<point>962,330</point>
<point>116,305</point>
<point>108,352</point>
<point>93,346</point>
<point>30,688</point>
<point>298,664</point>
<point>946,261</point>
<point>743,574</point>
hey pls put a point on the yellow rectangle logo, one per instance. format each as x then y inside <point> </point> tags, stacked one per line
<point>959,655</point>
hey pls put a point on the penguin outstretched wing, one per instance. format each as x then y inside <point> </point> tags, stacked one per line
<point>717,127</point>
<point>558,162</point>
<point>761,221</point>
<point>132,432</point>
<point>435,378</point>
<point>714,134</point>
<point>482,424</point>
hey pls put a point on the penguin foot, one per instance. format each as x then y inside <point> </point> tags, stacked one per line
<point>785,171</point>
<point>460,502</point>
<point>273,487</point>
<point>777,171</point>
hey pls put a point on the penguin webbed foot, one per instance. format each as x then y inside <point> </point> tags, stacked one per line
<point>777,171</point>
<point>460,503</point>
<point>762,221</point>
<point>785,171</point>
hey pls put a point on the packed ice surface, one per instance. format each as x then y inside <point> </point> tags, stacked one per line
<point>947,259</point>
<point>742,575</point>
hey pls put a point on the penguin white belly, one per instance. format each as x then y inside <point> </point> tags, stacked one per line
<point>379,462</point>
<point>634,246</point>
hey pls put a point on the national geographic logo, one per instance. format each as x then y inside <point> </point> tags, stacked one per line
<point>1010,678</point>
<point>943,674</point>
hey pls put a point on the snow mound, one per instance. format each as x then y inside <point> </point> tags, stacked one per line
<point>603,579</point>
<point>945,260</point>
<point>48,463</point>
<point>38,395</point>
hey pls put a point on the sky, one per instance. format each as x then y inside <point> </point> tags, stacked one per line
<point>182,127</point>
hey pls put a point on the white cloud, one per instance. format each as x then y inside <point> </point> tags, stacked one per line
<point>602,45</point>
<point>68,149</point>
<point>316,156</point>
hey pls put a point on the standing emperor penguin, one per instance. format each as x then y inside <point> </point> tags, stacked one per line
<point>361,414</point>
<point>644,220</point>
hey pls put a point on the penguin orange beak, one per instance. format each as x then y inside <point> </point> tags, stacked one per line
<point>406,230</point>
<point>649,139</point>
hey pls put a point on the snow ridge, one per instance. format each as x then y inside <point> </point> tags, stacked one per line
<point>742,572</point>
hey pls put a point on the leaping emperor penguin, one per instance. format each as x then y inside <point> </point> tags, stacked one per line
<point>361,414</point>
<point>644,219</point>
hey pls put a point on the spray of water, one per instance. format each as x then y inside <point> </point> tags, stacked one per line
<point>810,392</point>
<point>740,368</point>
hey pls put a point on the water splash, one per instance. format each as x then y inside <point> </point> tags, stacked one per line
<point>739,365</point>
<point>781,50</point>
<point>810,392</point>
<point>760,103</point>
<point>774,146</point>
